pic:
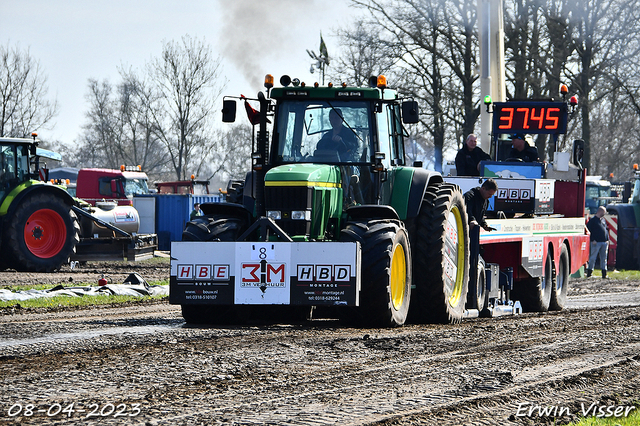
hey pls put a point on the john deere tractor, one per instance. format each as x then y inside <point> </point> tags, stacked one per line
<point>330,216</point>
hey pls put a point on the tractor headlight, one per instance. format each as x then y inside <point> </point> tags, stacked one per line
<point>274,214</point>
<point>301,215</point>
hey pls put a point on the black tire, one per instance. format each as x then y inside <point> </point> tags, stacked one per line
<point>534,294</point>
<point>440,296</point>
<point>477,294</point>
<point>212,228</point>
<point>41,235</point>
<point>386,273</point>
<point>561,282</point>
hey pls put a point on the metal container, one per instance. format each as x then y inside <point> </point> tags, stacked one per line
<point>123,217</point>
<point>172,213</point>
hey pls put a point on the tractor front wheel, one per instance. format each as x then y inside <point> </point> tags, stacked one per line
<point>386,271</point>
<point>212,228</point>
<point>41,234</point>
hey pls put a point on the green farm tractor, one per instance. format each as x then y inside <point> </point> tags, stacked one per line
<point>42,227</point>
<point>330,216</point>
<point>39,230</point>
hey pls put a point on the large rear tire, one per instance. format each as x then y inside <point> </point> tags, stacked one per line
<point>561,283</point>
<point>535,293</point>
<point>212,228</point>
<point>386,273</point>
<point>441,256</point>
<point>41,235</point>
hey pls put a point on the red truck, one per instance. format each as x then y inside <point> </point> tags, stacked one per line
<point>194,187</point>
<point>111,185</point>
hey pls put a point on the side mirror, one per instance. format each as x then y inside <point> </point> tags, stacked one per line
<point>578,152</point>
<point>410,112</point>
<point>114,188</point>
<point>228,111</point>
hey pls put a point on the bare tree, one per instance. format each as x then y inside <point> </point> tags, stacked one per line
<point>99,144</point>
<point>187,82</point>
<point>119,128</point>
<point>232,153</point>
<point>365,54</point>
<point>23,92</point>
<point>607,36</point>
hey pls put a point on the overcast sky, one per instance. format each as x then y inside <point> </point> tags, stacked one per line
<point>75,40</point>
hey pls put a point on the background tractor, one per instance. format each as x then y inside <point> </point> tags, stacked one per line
<point>39,229</point>
<point>43,227</point>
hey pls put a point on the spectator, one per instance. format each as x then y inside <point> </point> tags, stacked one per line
<point>196,211</point>
<point>476,200</point>
<point>599,241</point>
<point>469,157</point>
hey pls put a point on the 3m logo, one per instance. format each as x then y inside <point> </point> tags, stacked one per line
<point>262,273</point>
<point>513,194</point>
<point>203,273</point>
<point>324,273</point>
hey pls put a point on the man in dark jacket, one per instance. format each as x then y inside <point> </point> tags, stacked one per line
<point>476,200</point>
<point>469,157</point>
<point>599,241</point>
<point>522,150</point>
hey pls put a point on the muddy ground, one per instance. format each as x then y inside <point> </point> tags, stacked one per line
<point>142,365</point>
<point>156,269</point>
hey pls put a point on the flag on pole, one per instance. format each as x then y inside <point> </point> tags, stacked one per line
<point>252,114</point>
<point>323,50</point>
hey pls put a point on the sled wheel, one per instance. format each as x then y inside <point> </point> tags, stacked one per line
<point>476,297</point>
<point>386,275</point>
<point>441,256</point>
<point>211,228</point>
<point>535,293</point>
<point>561,287</point>
<point>43,233</point>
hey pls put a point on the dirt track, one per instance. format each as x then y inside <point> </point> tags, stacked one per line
<point>483,371</point>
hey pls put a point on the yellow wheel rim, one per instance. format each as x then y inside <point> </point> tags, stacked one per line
<point>454,232</point>
<point>398,276</point>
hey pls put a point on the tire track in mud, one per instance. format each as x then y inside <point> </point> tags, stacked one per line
<point>371,390</point>
<point>477,371</point>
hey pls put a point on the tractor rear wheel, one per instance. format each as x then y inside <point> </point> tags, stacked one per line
<point>42,234</point>
<point>441,256</point>
<point>561,284</point>
<point>211,228</point>
<point>535,293</point>
<point>386,271</point>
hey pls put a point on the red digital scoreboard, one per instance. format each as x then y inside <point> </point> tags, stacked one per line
<point>529,117</point>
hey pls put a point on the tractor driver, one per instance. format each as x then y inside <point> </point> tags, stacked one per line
<point>339,138</point>
<point>522,150</point>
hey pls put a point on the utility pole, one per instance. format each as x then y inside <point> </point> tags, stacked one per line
<point>492,74</point>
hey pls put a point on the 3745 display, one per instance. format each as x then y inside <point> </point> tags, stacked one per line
<point>530,117</point>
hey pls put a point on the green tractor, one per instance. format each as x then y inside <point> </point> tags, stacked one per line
<point>330,216</point>
<point>39,230</point>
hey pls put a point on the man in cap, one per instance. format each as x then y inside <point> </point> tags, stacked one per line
<point>522,150</point>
